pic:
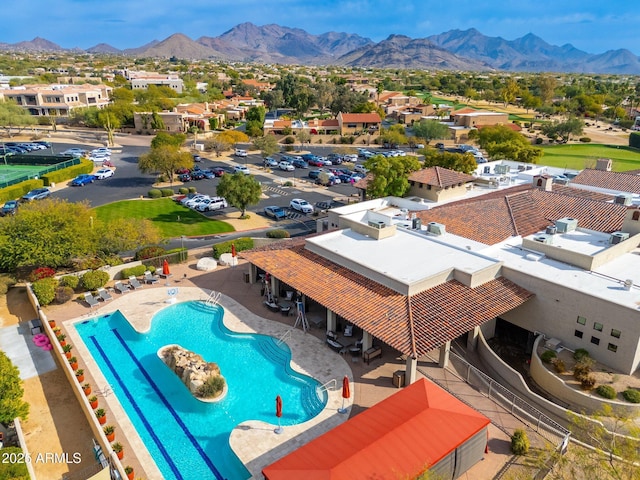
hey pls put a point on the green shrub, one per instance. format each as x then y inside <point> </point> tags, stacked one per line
<point>70,281</point>
<point>579,354</point>
<point>149,252</point>
<point>19,189</point>
<point>167,192</point>
<point>289,140</point>
<point>288,183</point>
<point>538,140</point>
<point>288,148</point>
<point>64,294</point>
<point>57,176</point>
<point>45,290</point>
<point>559,365</point>
<point>14,470</point>
<point>6,281</point>
<point>278,233</point>
<point>242,243</point>
<point>588,382</point>
<point>183,190</point>
<point>519,442</point>
<point>606,391</point>
<point>136,271</point>
<point>631,395</point>
<point>154,193</point>
<point>634,139</point>
<point>585,139</point>
<point>212,387</point>
<point>193,189</point>
<point>94,279</point>
<point>548,355</point>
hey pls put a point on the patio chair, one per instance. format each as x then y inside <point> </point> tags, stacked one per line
<point>335,345</point>
<point>104,295</point>
<point>90,299</point>
<point>134,282</point>
<point>149,277</point>
<point>121,287</point>
<point>348,331</point>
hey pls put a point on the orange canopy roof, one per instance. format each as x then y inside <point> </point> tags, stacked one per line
<point>400,437</point>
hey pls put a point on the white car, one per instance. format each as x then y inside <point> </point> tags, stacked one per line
<point>103,173</point>
<point>100,153</point>
<point>350,157</point>
<point>301,205</point>
<point>286,166</point>
<point>241,169</point>
<point>194,202</point>
<point>240,153</point>
<point>74,152</point>
<point>209,204</point>
<point>360,169</point>
<point>187,199</point>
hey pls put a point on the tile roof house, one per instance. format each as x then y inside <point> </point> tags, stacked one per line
<point>603,180</point>
<point>355,123</point>
<point>437,183</point>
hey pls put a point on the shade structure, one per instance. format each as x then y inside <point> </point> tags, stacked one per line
<point>165,267</point>
<point>278,406</point>
<point>346,392</point>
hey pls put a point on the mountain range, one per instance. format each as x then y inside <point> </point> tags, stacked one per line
<point>453,50</point>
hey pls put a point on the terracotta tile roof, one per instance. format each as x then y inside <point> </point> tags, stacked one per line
<point>363,183</point>
<point>439,177</point>
<point>580,192</point>
<point>508,213</point>
<point>618,181</point>
<point>360,117</point>
<point>412,325</point>
<point>464,110</point>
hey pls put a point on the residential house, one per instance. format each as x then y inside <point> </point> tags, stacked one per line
<point>357,123</point>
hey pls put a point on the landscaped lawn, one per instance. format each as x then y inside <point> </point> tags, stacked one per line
<point>579,156</point>
<point>171,218</point>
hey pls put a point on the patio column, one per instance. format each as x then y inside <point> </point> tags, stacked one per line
<point>274,284</point>
<point>443,361</point>
<point>410,374</point>
<point>367,341</point>
<point>472,338</point>
<point>253,273</point>
<point>331,320</point>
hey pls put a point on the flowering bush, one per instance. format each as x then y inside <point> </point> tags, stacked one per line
<point>42,272</point>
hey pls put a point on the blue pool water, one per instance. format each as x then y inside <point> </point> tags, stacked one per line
<point>186,437</point>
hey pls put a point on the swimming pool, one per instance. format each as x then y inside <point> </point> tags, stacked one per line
<point>188,438</point>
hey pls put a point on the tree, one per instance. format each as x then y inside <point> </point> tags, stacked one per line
<point>165,160</point>
<point>240,190</point>
<point>268,145</point>
<point>394,135</point>
<point>501,142</point>
<point>564,130</point>
<point>303,137</point>
<point>217,144</point>
<point>430,130</point>
<point>390,175</point>
<point>124,234</point>
<point>11,392</point>
<point>233,137</point>
<point>460,162</point>
<point>509,92</point>
<point>13,115</point>
<point>166,138</point>
<point>110,122</point>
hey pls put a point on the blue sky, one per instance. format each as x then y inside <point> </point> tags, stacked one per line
<point>593,26</point>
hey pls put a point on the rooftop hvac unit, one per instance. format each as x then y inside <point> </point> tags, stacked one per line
<point>623,200</point>
<point>551,230</point>
<point>416,224</point>
<point>566,224</point>
<point>435,228</point>
<point>553,344</point>
<point>378,225</point>
<point>501,169</point>
<point>617,237</point>
<point>544,238</point>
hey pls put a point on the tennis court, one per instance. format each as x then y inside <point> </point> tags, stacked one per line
<point>14,172</point>
<point>22,167</point>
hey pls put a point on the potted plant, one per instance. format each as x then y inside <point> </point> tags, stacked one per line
<point>52,323</point>
<point>129,471</point>
<point>67,350</point>
<point>61,338</point>
<point>80,375</point>
<point>93,401</point>
<point>117,447</point>
<point>73,361</point>
<point>110,432</point>
<point>101,416</point>
<point>56,331</point>
<point>86,388</point>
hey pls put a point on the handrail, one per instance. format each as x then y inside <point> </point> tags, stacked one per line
<point>325,386</point>
<point>213,298</point>
<point>282,337</point>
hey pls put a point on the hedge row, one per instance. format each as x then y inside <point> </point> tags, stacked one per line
<point>136,271</point>
<point>634,139</point>
<point>85,166</point>
<point>18,190</point>
<point>242,243</point>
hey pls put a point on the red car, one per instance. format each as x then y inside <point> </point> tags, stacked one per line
<point>180,171</point>
<point>217,171</point>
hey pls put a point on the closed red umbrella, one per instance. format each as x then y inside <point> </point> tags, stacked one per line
<point>233,250</point>
<point>165,268</point>
<point>346,393</point>
<point>278,413</point>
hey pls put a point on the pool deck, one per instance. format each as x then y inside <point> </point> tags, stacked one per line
<point>254,442</point>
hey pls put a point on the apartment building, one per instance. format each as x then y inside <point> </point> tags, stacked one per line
<point>57,100</point>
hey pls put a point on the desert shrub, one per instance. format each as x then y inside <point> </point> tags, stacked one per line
<point>88,263</point>
<point>6,281</point>
<point>154,193</point>
<point>278,233</point>
<point>136,271</point>
<point>64,294</point>
<point>288,148</point>
<point>45,290</point>
<point>548,355</point>
<point>149,252</point>
<point>193,189</point>
<point>634,139</point>
<point>167,192</point>
<point>287,184</point>
<point>631,395</point>
<point>582,369</point>
<point>538,140</point>
<point>183,190</point>
<point>606,391</point>
<point>70,281</point>
<point>95,279</point>
<point>41,272</point>
<point>519,442</point>
<point>579,354</point>
<point>559,365</point>
<point>14,470</point>
<point>212,387</point>
<point>588,382</point>
<point>242,243</point>
<point>289,140</point>
<point>585,139</point>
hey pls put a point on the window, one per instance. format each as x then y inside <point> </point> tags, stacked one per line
<point>578,333</point>
<point>582,320</point>
<point>612,348</point>
<point>636,215</point>
<point>595,340</point>
<point>615,333</point>
<point>597,326</point>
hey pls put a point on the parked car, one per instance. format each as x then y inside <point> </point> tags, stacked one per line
<point>360,169</point>
<point>275,212</point>
<point>301,205</point>
<point>197,175</point>
<point>197,158</point>
<point>74,152</point>
<point>439,146</point>
<point>9,208</point>
<point>218,171</point>
<point>103,173</point>
<point>183,200</point>
<point>82,180</point>
<point>350,157</point>
<point>270,162</point>
<point>419,146</point>
<point>184,177</point>
<point>335,158</point>
<point>36,194</point>
<point>210,204</point>
<point>299,163</point>
<point>241,169</point>
<point>286,166</point>
<point>193,202</point>
<point>240,153</point>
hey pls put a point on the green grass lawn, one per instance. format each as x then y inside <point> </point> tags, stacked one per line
<point>579,156</point>
<point>171,218</point>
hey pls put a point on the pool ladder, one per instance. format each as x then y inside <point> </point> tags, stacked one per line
<point>330,385</point>
<point>213,299</point>
<point>283,337</point>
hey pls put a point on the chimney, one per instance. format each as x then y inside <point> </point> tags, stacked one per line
<point>543,182</point>
<point>604,164</point>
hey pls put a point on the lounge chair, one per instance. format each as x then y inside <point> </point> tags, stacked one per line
<point>104,295</point>
<point>335,345</point>
<point>90,299</point>
<point>121,287</point>
<point>149,278</point>
<point>134,282</point>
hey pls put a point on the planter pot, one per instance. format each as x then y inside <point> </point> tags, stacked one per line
<point>80,378</point>
<point>74,366</point>
<point>87,391</point>
<point>94,405</point>
<point>52,323</point>
<point>102,420</point>
<point>120,454</point>
<point>68,355</point>
<point>111,437</point>
<point>62,343</point>
<point>130,476</point>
